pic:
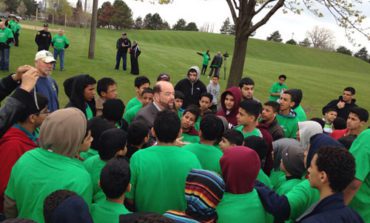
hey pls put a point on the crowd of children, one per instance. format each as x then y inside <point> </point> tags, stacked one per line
<point>184,154</point>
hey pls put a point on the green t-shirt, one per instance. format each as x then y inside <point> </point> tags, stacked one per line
<point>132,102</point>
<point>289,124</point>
<point>89,153</point>
<point>197,123</point>
<point>60,42</point>
<point>5,34</point>
<point>15,27</point>
<point>360,150</point>
<point>262,177</point>
<point>130,114</point>
<point>158,176</point>
<point>107,211</point>
<point>277,177</point>
<point>301,197</point>
<point>89,113</point>
<point>276,88</point>
<point>301,114</point>
<point>254,132</point>
<point>287,185</point>
<point>40,172</point>
<point>190,138</point>
<point>242,208</point>
<point>94,165</point>
<point>208,156</point>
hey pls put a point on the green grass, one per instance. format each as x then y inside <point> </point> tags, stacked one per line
<point>321,75</point>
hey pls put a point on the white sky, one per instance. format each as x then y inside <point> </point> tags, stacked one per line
<point>214,13</point>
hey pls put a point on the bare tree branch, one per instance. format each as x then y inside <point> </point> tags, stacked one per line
<point>263,21</point>
<point>263,6</point>
<point>232,10</point>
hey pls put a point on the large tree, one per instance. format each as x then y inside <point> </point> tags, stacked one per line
<point>105,14</point>
<point>275,36</point>
<point>180,25</point>
<point>362,54</point>
<point>321,38</point>
<point>122,15</point>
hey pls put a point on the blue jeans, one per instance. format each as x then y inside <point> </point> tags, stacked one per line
<point>61,55</point>
<point>4,59</point>
<point>120,55</point>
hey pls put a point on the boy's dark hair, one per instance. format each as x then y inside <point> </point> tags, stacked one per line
<point>215,75</point>
<point>103,84</point>
<point>234,137</point>
<point>179,95</point>
<point>115,177</point>
<point>297,96</point>
<point>136,133</point>
<point>167,126</point>
<point>361,113</point>
<point>110,142</point>
<point>208,95</point>
<point>339,123</point>
<point>42,102</point>
<point>274,105</point>
<point>147,90</point>
<point>246,81</point>
<point>140,80</point>
<point>113,109</point>
<point>339,166</point>
<point>347,140</point>
<point>350,89</point>
<point>292,95</point>
<point>251,107</point>
<point>319,120</point>
<point>329,109</point>
<point>193,109</point>
<point>258,144</point>
<point>97,126</point>
<point>282,76</point>
<point>53,200</point>
<point>212,127</point>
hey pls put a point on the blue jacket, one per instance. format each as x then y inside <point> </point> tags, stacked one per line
<point>330,209</point>
<point>48,87</point>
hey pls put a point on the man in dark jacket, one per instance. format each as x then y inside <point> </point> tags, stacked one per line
<point>122,45</point>
<point>43,38</point>
<point>191,87</point>
<point>268,120</point>
<point>216,64</point>
<point>344,103</point>
<point>331,171</point>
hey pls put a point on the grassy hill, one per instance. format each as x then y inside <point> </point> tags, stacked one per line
<point>321,75</point>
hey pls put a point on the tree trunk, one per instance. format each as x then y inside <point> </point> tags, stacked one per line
<point>93,29</point>
<point>237,63</point>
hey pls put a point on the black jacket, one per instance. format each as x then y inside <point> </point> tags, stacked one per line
<point>344,112</point>
<point>43,39</point>
<point>119,46</point>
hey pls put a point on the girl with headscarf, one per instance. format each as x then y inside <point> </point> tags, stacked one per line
<point>300,197</point>
<point>50,167</point>
<point>306,130</point>
<point>203,191</point>
<point>240,166</point>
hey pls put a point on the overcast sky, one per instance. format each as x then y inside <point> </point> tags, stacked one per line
<point>214,13</point>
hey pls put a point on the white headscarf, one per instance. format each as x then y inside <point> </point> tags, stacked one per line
<point>308,129</point>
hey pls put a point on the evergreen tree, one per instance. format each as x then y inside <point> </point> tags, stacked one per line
<point>105,13</point>
<point>122,15</point>
<point>344,50</point>
<point>305,43</point>
<point>225,28</point>
<point>180,25</point>
<point>291,42</point>
<point>362,54</point>
<point>138,24</point>
<point>275,36</point>
<point>191,26</point>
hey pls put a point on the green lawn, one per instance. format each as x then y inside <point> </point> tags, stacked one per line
<point>321,75</point>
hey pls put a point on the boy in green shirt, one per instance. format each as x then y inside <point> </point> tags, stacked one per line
<point>249,111</point>
<point>6,38</point>
<point>158,173</point>
<point>112,142</point>
<point>179,100</point>
<point>231,137</point>
<point>189,133</point>
<point>106,89</point>
<point>146,98</point>
<point>287,118</point>
<point>115,182</point>
<point>205,102</point>
<point>140,83</point>
<point>206,58</point>
<point>211,129</point>
<point>60,43</point>
<point>278,88</point>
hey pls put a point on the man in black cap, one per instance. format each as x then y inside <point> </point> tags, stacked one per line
<point>123,44</point>
<point>43,38</point>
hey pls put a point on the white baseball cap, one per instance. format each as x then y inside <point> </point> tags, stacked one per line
<point>45,56</point>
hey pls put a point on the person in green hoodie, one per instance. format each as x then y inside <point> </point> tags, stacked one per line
<point>206,58</point>
<point>287,118</point>
<point>60,43</point>
<point>6,39</point>
<point>15,27</point>
<point>115,182</point>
